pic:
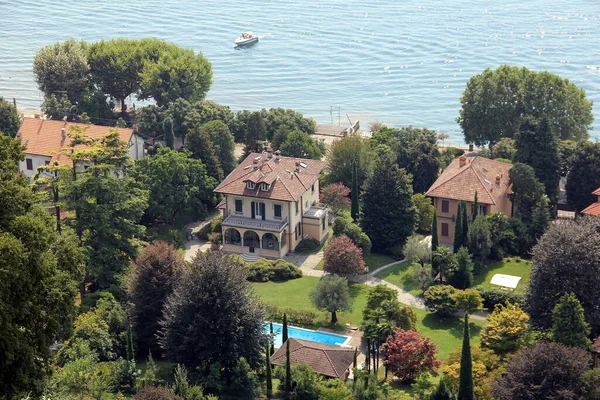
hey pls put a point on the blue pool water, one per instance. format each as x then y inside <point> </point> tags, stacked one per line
<point>305,334</point>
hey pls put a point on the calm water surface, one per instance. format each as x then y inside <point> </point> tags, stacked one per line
<point>399,62</point>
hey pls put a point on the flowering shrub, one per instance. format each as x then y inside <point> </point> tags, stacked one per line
<point>342,257</point>
<point>336,197</point>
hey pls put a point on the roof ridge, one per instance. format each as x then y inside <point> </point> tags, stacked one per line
<point>484,187</point>
<point>286,188</point>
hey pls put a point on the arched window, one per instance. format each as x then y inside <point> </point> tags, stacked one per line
<point>232,236</point>
<point>270,242</point>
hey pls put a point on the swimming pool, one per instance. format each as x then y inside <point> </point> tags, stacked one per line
<point>306,334</point>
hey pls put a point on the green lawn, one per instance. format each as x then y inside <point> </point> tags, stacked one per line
<point>446,334</point>
<point>400,275</point>
<point>509,266</point>
<point>372,261</point>
<point>295,294</point>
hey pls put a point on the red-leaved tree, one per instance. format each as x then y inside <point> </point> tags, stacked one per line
<point>407,355</point>
<point>342,257</point>
<point>335,196</point>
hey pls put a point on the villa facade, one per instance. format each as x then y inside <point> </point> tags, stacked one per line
<point>44,139</point>
<point>463,178</point>
<point>270,204</point>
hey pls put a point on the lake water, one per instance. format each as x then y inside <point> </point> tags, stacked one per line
<point>398,62</point>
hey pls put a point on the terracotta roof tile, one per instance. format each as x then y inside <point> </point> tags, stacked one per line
<point>324,359</point>
<point>284,182</point>
<point>592,209</point>
<point>477,175</point>
<point>43,136</point>
<point>596,192</point>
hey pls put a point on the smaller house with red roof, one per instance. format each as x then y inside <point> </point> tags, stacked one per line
<point>594,208</point>
<point>270,204</point>
<point>44,139</point>
<point>327,360</point>
<point>463,178</point>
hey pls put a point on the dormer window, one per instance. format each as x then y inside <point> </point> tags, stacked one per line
<point>264,187</point>
<point>250,185</point>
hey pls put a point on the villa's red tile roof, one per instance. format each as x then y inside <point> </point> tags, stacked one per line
<point>288,177</point>
<point>324,359</point>
<point>477,175</point>
<point>592,209</point>
<point>43,136</point>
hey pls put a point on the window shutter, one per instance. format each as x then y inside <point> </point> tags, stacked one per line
<point>262,210</point>
<point>252,208</point>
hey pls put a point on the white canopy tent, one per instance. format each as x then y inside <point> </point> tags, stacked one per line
<point>507,281</point>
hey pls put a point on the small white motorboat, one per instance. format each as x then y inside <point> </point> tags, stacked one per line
<point>246,38</point>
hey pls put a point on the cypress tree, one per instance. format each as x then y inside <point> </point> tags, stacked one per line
<point>435,242</point>
<point>475,208</point>
<point>288,368</point>
<point>130,351</point>
<point>169,136</point>
<point>272,339</point>
<point>354,211</point>
<point>458,230</point>
<point>465,388</point>
<point>355,361</point>
<point>284,330</point>
<point>569,327</point>
<point>269,375</point>
<point>465,225</point>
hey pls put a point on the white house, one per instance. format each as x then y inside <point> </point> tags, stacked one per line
<point>43,140</point>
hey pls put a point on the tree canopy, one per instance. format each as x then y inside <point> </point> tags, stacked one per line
<point>584,176</point>
<point>331,294</point>
<point>10,122</point>
<point>566,259</point>
<point>495,102</point>
<point>38,275</point>
<point>343,154</point>
<point>213,317</point>
<point>302,145</point>
<point>568,322</point>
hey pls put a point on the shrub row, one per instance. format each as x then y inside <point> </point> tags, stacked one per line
<point>294,316</point>
<point>308,244</point>
<point>272,270</point>
<point>344,226</point>
<point>491,297</point>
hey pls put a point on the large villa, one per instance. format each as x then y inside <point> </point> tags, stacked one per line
<point>270,204</point>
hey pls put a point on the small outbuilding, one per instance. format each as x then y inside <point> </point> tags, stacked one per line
<point>327,360</point>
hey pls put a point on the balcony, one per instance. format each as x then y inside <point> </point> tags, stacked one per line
<point>250,223</point>
<point>316,211</point>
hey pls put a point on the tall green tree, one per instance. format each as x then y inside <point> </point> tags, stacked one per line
<point>475,208</point>
<point>355,207</point>
<point>178,185</point>
<point>465,224</point>
<point>269,377</point>
<point>435,240</point>
<point>331,293</point>
<point>465,388</point>
<point>169,134</point>
<point>343,153</point>
<point>288,368</point>
<point>458,229</point>
<point>527,190</point>
<point>10,122</point>
<point>149,284</point>
<point>284,329</point>
<point>255,131</point>
<point>213,317</point>
<point>584,176</point>
<point>107,206</point>
<point>223,144</point>
<point>568,323</point>
<point>425,210</point>
<point>199,144</point>
<point>495,102</point>
<point>480,242</point>
<point>273,338</point>
<point>416,151</point>
<point>462,278</point>
<point>62,68</point>
<point>38,274</point>
<point>540,219</point>
<point>538,148</point>
<point>301,144</point>
<point>176,73</point>
<point>566,259</point>
<point>115,67</point>
<point>388,224</point>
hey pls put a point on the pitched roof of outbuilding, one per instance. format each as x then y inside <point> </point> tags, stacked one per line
<point>324,359</point>
<point>592,209</point>
<point>477,175</point>
<point>43,137</point>
<point>288,177</point>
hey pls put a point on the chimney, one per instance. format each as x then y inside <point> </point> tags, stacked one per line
<point>269,152</point>
<point>462,161</point>
<point>255,163</point>
<point>498,178</point>
<point>297,166</point>
<point>63,135</point>
<point>277,155</point>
